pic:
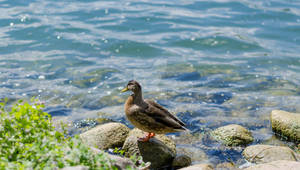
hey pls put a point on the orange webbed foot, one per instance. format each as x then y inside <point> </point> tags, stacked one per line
<point>147,137</point>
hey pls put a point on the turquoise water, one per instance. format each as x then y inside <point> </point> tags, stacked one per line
<point>212,63</point>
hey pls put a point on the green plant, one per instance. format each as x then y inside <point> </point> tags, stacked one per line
<point>28,140</point>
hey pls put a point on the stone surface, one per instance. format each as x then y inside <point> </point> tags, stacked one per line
<point>268,153</point>
<point>232,135</point>
<point>119,162</point>
<point>199,167</point>
<point>197,155</point>
<point>106,136</point>
<point>286,124</point>
<point>276,165</point>
<point>181,161</point>
<point>226,166</point>
<point>160,150</point>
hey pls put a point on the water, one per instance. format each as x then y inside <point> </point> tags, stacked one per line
<point>212,62</point>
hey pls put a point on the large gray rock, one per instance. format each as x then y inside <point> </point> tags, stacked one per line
<point>106,136</point>
<point>276,165</point>
<point>233,135</point>
<point>268,153</point>
<point>286,124</point>
<point>199,167</point>
<point>160,150</point>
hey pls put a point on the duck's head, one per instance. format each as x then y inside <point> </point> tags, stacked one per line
<point>133,86</point>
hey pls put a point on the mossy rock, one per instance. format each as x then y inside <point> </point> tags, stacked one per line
<point>286,124</point>
<point>232,135</point>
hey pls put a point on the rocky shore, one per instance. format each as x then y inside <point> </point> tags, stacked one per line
<point>161,151</point>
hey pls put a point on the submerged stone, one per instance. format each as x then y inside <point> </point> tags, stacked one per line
<point>181,161</point>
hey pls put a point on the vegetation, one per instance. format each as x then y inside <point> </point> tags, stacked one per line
<point>28,140</point>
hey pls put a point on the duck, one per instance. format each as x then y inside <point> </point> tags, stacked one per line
<point>149,116</point>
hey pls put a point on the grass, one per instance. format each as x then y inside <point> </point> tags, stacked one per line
<point>28,140</point>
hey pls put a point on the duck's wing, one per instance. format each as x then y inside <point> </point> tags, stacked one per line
<point>162,115</point>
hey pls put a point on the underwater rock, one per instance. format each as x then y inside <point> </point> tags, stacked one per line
<point>160,150</point>
<point>286,124</point>
<point>268,153</point>
<point>196,154</point>
<point>106,136</point>
<point>199,167</point>
<point>232,135</point>
<point>181,161</point>
<point>276,165</point>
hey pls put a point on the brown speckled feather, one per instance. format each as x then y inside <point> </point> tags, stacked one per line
<point>162,115</point>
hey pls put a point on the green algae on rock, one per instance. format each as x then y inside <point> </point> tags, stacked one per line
<point>232,135</point>
<point>286,124</point>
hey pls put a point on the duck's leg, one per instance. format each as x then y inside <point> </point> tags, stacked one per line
<point>147,137</point>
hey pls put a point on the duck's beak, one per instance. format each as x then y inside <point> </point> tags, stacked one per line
<point>124,90</point>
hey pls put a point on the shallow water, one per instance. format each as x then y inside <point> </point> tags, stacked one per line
<point>213,63</point>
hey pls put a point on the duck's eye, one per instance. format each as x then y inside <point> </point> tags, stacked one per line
<point>130,84</point>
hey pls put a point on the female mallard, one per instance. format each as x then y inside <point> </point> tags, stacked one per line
<point>148,115</point>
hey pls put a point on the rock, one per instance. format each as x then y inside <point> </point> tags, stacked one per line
<point>226,166</point>
<point>232,135</point>
<point>160,150</point>
<point>196,154</point>
<point>286,124</point>
<point>268,153</point>
<point>181,161</point>
<point>199,167</point>
<point>106,136</point>
<point>276,165</point>
<point>119,162</point>
<point>79,167</point>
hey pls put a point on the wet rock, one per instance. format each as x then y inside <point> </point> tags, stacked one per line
<point>268,153</point>
<point>160,150</point>
<point>286,124</point>
<point>196,154</point>
<point>226,166</point>
<point>181,161</point>
<point>119,162</point>
<point>199,167</point>
<point>232,135</point>
<point>276,165</point>
<point>106,136</point>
